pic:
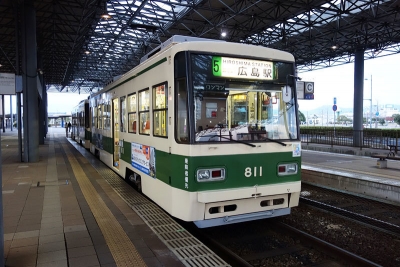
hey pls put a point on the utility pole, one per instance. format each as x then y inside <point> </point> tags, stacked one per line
<point>370,107</point>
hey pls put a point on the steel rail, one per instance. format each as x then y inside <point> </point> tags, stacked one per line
<point>326,247</point>
<point>352,215</point>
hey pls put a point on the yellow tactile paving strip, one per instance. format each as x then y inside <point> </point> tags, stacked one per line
<point>121,247</point>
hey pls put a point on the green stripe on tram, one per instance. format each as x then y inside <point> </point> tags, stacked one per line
<point>170,169</point>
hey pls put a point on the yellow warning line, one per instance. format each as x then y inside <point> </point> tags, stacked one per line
<point>121,247</point>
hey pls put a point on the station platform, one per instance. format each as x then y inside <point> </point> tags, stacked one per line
<point>65,210</point>
<point>353,170</point>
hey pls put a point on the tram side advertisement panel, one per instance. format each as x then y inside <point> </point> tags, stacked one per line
<point>143,158</point>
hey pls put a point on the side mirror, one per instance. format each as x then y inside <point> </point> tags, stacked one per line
<point>287,93</point>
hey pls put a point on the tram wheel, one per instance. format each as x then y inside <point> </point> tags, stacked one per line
<point>135,179</point>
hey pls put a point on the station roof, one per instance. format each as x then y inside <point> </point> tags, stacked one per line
<point>81,50</point>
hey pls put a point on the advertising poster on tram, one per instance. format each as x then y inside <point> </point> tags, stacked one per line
<point>143,158</point>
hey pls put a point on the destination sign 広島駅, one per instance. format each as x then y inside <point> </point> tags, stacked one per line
<point>242,68</point>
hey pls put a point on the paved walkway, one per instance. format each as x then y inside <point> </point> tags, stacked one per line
<point>60,212</point>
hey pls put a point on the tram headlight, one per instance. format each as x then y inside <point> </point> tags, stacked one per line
<point>287,169</point>
<point>208,175</point>
<point>203,175</point>
<point>291,168</point>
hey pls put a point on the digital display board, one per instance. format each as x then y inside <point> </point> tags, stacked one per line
<point>242,68</point>
<point>7,83</point>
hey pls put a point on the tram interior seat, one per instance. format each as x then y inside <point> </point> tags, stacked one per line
<point>146,129</point>
<point>253,135</point>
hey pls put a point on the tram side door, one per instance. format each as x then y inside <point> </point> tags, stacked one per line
<point>115,132</point>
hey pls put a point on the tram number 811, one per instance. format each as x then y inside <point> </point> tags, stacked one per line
<point>248,172</point>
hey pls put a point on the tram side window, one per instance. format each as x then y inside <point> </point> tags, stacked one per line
<point>123,113</point>
<point>74,119</point>
<point>144,113</point>
<point>94,116</point>
<point>81,119</point>
<point>160,108</point>
<point>107,114</point>
<point>181,122</point>
<point>100,116</point>
<point>87,115</point>
<point>132,113</point>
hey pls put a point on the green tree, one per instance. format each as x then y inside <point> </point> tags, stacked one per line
<point>343,119</point>
<point>396,118</point>
<point>302,118</point>
<point>381,121</point>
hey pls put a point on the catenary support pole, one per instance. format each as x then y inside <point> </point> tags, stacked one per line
<point>358,97</point>
<point>11,114</point>
<point>2,263</point>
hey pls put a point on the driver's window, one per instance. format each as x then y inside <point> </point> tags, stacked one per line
<point>211,113</point>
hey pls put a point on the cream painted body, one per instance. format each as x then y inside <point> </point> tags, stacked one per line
<point>194,206</point>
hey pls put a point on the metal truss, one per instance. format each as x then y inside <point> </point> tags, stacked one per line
<point>81,51</point>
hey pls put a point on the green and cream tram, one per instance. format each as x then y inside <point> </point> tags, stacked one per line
<point>207,129</point>
<point>80,131</point>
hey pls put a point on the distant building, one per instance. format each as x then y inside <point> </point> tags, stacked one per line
<point>387,111</point>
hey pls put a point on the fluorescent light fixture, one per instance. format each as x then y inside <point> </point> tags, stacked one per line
<point>106,16</point>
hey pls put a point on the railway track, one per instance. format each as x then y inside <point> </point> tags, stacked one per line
<point>329,228</point>
<point>274,243</point>
<point>363,226</point>
<point>383,216</point>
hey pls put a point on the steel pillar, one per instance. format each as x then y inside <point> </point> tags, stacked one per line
<point>29,77</point>
<point>358,97</point>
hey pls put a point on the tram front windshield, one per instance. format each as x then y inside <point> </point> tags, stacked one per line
<point>243,100</point>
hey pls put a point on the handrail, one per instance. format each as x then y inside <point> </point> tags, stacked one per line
<point>367,138</point>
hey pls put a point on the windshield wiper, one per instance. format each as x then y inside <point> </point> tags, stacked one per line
<point>275,141</point>
<point>230,139</point>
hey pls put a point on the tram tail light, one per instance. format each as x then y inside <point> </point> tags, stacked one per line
<point>216,173</point>
<point>209,175</point>
<point>287,169</point>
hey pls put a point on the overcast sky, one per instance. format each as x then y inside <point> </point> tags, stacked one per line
<point>64,102</point>
<point>61,103</point>
<point>339,82</point>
